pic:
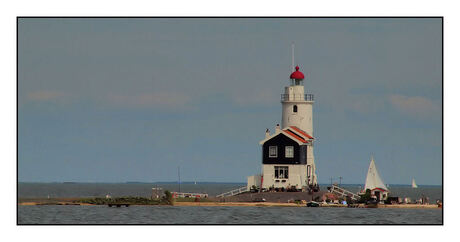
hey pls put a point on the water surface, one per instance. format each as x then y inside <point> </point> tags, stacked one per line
<point>223,215</point>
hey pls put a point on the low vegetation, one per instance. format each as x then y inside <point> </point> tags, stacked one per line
<point>192,199</point>
<point>167,199</point>
<point>121,200</point>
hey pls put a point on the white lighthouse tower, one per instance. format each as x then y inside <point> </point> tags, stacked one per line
<point>297,106</point>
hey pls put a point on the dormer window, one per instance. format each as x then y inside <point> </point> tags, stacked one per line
<point>294,109</point>
<point>273,151</point>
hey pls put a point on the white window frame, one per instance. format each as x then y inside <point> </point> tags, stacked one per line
<point>285,173</point>
<point>290,154</point>
<point>270,153</point>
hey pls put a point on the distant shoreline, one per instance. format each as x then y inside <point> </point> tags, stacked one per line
<point>204,182</point>
<point>134,182</point>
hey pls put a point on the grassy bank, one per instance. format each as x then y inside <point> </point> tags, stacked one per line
<point>105,201</point>
<point>123,200</point>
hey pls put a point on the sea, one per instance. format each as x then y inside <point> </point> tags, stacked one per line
<point>58,214</point>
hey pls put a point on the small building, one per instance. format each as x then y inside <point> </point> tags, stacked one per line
<point>285,158</point>
<point>157,192</point>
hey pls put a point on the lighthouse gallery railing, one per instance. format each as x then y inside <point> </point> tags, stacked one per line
<point>297,97</point>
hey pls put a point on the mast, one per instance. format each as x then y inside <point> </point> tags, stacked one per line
<point>178,175</point>
<point>292,56</point>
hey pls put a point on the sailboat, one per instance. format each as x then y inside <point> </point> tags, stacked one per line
<point>413,183</point>
<point>374,183</point>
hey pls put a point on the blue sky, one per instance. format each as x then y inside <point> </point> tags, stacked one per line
<point>114,100</point>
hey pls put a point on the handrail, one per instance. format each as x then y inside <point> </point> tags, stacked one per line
<point>189,194</point>
<point>342,192</point>
<point>233,192</point>
<point>297,97</point>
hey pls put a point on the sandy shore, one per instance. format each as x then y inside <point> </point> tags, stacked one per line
<point>241,204</point>
<point>408,206</point>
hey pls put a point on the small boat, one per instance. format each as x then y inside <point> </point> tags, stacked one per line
<point>372,205</point>
<point>312,204</point>
<point>413,183</point>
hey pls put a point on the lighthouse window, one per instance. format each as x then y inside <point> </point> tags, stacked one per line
<point>281,172</point>
<point>289,151</point>
<point>273,151</point>
<point>294,109</point>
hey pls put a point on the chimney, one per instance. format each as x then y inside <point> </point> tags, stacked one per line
<point>267,133</point>
<point>277,129</point>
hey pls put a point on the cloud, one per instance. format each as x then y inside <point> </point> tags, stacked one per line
<point>417,106</point>
<point>45,95</point>
<point>365,103</point>
<point>166,100</point>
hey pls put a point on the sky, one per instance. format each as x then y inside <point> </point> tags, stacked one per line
<point>115,100</point>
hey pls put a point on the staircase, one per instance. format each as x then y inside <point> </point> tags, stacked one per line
<point>233,192</point>
<point>344,193</point>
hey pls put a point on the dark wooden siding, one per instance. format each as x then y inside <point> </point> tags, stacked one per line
<point>281,141</point>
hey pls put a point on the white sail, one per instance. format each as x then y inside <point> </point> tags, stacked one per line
<point>413,183</point>
<point>373,179</point>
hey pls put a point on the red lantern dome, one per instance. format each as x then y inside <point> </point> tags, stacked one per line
<point>297,74</point>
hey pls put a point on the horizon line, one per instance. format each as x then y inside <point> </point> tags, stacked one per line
<point>193,182</point>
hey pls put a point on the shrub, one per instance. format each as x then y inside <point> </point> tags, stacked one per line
<point>120,200</point>
<point>168,198</point>
<point>366,196</point>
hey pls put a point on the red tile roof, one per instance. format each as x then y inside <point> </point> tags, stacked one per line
<point>294,136</point>
<point>378,188</point>
<point>301,131</point>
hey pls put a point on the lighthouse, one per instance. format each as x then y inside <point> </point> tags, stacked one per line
<point>288,161</point>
